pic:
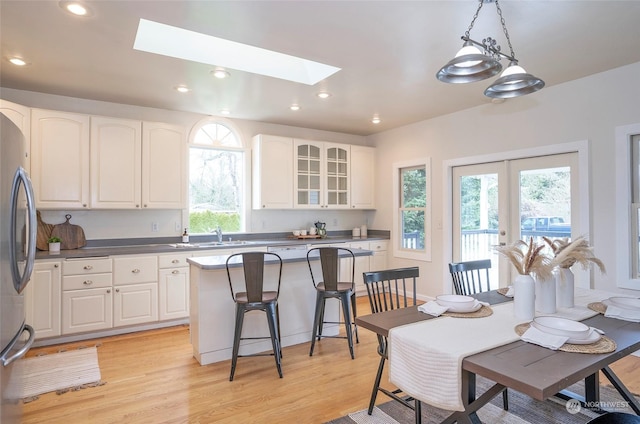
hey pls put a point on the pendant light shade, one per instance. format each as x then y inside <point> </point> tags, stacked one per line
<point>469,65</point>
<point>513,82</point>
<point>472,64</point>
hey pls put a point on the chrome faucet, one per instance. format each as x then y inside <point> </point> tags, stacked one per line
<point>218,232</point>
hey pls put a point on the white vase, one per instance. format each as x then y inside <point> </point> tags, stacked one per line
<point>546,295</point>
<point>564,288</point>
<point>524,297</point>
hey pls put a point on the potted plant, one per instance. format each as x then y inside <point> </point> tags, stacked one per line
<point>566,254</point>
<point>528,259</point>
<point>54,244</point>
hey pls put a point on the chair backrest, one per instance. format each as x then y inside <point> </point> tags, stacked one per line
<point>391,288</point>
<point>470,277</point>
<point>253,269</point>
<point>330,266</point>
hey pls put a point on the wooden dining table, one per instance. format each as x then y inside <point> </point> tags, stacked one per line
<point>528,368</point>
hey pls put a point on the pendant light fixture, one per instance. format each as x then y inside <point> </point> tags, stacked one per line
<point>472,64</point>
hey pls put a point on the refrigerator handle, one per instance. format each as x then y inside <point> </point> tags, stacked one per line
<point>19,354</point>
<point>20,281</point>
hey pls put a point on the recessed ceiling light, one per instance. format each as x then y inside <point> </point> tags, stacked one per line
<point>294,107</point>
<point>220,73</point>
<point>17,61</point>
<point>75,8</point>
<point>376,119</point>
<point>225,111</point>
<point>323,95</point>
<point>167,40</point>
<point>182,88</point>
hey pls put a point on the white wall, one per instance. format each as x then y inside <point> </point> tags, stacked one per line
<point>587,109</point>
<point>137,224</point>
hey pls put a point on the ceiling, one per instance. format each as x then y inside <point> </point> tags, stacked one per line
<point>388,52</point>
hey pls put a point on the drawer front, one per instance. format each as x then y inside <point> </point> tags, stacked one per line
<point>173,261</point>
<point>86,266</point>
<point>91,281</point>
<point>359,245</point>
<point>378,245</point>
<point>132,270</point>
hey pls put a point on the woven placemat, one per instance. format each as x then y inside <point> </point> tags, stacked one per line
<point>599,307</point>
<point>503,291</point>
<point>485,311</point>
<point>604,345</point>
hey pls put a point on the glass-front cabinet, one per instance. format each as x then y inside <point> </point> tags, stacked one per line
<point>321,175</point>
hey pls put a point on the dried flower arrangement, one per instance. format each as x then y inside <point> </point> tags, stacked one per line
<point>567,253</point>
<point>529,261</point>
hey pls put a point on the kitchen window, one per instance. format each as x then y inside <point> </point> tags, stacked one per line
<point>412,217</point>
<point>217,176</point>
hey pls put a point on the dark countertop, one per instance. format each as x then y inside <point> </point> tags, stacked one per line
<point>198,243</point>
<point>212,263</point>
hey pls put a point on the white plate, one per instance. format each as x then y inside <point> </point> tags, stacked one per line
<point>593,337</point>
<point>561,327</point>
<point>456,301</point>
<point>465,309</point>
<point>624,302</point>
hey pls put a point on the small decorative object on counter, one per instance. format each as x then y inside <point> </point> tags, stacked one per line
<point>54,244</point>
<point>185,236</point>
<point>355,232</point>
<point>363,231</point>
<point>322,230</point>
<point>526,262</point>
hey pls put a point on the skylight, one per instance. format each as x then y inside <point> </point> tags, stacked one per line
<point>167,40</point>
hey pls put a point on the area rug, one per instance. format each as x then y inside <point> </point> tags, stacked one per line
<point>59,372</point>
<point>522,410</point>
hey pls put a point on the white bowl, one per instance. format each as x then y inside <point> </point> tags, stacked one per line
<point>296,232</point>
<point>456,301</point>
<point>562,327</point>
<point>625,302</point>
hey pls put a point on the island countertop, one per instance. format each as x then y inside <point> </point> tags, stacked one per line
<point>219,261</point>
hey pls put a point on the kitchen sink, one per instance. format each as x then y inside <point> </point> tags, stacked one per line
<point>214,244</point>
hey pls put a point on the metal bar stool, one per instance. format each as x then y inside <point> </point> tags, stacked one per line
<point>329,286</point>
<point>253,296</point>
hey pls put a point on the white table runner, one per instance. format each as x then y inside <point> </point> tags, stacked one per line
<point>425,358</point>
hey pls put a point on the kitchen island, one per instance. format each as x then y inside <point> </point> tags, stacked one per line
<point>212,312</point>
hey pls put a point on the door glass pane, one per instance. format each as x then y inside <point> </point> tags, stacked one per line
<point>545,203</point>
<point>303,150</point>
<point>314,152</point>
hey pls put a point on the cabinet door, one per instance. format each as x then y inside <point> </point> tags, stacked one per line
<point>87,310</point>
<point>362,265</point>
<point>135,304</point>
<point>43,298</point>
<point>272,172</point>
<point>164,167</point>
<point>308,174</point>
<point>60,159</point>
<point>337,175</point>
<point>173,293</point>
<point>362,177</point>
<point>21,116</point>
<point>116,163</point>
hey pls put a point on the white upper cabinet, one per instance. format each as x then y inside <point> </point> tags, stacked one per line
<point>116,163</point>
<point>60,159</point>
<point>337,175</point>
<point>21,116</point>
<point>272,172</point>
<point>164,166</point>
<point>363,177</point>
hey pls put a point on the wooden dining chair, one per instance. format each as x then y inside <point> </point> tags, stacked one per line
<point>387,290</point>
<point>469,278</point>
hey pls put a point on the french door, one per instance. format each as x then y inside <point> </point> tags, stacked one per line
<point>497,203</point>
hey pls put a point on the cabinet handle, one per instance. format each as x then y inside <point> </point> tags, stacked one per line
<point>135,271</point>
<point>84,205</point>
<point>108,290</point>
<point>117,290</point>
<point>88,267</point>
<point>137,206</point>
<point>144,206</point>
<point>87,282</point>
<point>175,271</point>
<point>175,261</point>
<point>55,266</point>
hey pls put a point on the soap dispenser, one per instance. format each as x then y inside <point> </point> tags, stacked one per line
<point>185,236</point>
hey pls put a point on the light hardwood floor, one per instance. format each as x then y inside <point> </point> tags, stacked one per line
<point>152,377</point>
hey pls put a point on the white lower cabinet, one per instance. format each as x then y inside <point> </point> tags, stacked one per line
<point>173,281</point>
<point>378,261</point>
<point>135,285</point>
<point>362,264</point>
<point>42,299</point>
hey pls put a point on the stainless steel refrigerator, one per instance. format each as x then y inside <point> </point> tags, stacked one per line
<point>17,254</point>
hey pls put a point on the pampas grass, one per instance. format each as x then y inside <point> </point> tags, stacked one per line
<point>528,258</point>
<point>567,253</point>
